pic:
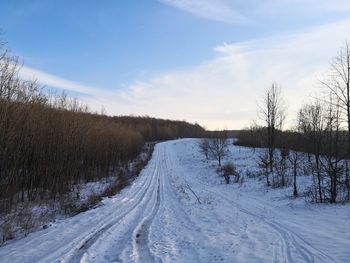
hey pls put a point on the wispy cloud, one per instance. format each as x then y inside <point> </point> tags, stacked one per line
<point>223,92</point>
<point>55,81</point>
<point>125,100</point>
<point>218,10</point>
<point>253,11</point>
<point>310,5</point>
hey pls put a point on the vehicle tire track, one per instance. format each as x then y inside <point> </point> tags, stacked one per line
<point>141,237</point>
<point>170,216</point>
<point>289,239</point>
<point>84,244</point>
<point>141,244</point>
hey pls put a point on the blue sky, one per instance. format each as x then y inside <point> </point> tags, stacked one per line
<point>181,59</point>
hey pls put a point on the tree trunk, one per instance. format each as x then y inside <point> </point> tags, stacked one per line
<point>319,179</point>
<point>295,192</point>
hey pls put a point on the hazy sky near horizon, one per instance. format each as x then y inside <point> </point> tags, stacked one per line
<point>205,61</point>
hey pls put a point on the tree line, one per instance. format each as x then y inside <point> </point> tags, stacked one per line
<point>153,129</point>
<point>49,143</point>
<point>319,144</point>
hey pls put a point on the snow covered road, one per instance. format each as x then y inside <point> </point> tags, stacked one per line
<point>160,219</point>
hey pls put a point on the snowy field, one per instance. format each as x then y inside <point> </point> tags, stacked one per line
<point>159,219</point>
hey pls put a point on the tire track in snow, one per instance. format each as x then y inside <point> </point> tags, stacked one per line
<point>77,253</point>
<point>152,197</point>
<point>294,235</point>
<point>141,237</point>
<point>111,245</point>
<point>289,238</point>
<point>141,233</point>
<point>171,229</point>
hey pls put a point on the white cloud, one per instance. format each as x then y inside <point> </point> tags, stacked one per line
<point>310,5</point>
<point>247,11</point>
<point>55,81</point>
<point>223,92</point>
<point>219,10</point>
<point>95,97</point>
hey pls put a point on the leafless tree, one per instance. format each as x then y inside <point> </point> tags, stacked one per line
<point>218,146</point>
<point>294,156</point>
<point>204,145</point>
<point>272,113</point>
<point>339,86</point>
<point>333,157</point>
<point>312,125</point>
<point>264,164</point>
<point>280,164</point>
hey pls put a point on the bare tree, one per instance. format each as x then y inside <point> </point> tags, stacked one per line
<point>265,165</point>
<point>218,146</point>
<point>280,164</point>
<point>294,156</point>
<point>333,157</point>
<point>339,86</point>
<point>312,124</point>
<point>204,145</point>
<point>272,113</point>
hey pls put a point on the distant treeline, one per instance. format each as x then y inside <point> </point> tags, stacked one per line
<point>48,143</point>
<point>153,129</point>
<point>228,133</point>
<point>306,142</point>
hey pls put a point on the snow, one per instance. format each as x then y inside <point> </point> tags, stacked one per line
<point>32,215</point>
<point>159,219</point>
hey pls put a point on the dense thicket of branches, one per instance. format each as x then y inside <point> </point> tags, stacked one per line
<point>153,129</point>
<point>49,143</point>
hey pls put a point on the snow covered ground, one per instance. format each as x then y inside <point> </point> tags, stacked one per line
<point>159,219</point>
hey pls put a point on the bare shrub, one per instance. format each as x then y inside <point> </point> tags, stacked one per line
<point>229,170</point>
<point>25,218</point>
<point>251,174</point>
<point>6,231</point>
<point>68,204</point>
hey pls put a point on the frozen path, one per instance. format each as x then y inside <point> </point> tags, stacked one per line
<point>159,219</point>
